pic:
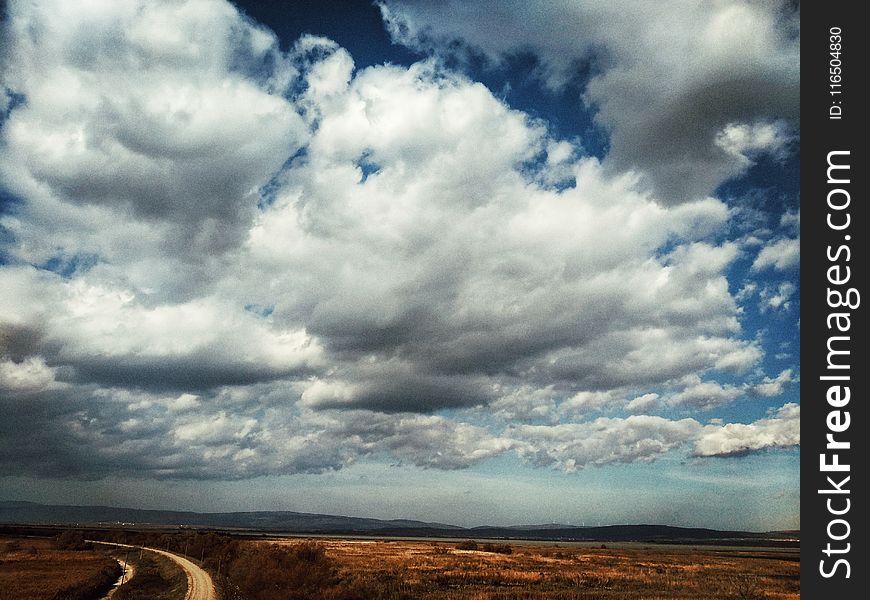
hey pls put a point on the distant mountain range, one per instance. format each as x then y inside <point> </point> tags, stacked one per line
<point>31,513</point>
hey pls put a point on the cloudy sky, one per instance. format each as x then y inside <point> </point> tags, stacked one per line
<point>475,262</point>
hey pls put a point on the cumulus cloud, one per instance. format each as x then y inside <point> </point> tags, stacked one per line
<point>412,228</point>
<point>743,141</point>
<point>643,403</point>
<point>230,261</point>
<point>588,402</point>
<point>704,395</point>
<point>525,403</point>
<point>390,390</point>
<point>184,402</point>
<point>777,297</point>
<point>145,132</point>
<point>603,441</point>
<point>780,430</point>
<point>673,98</point>
<point>746,291</point>
<point>791,220</point>
<point>781,254</point>
<point>772,386</point>
<point>27,376</point>
<point>103,334</point>
<point>425,441</point>
<point>232,433</point>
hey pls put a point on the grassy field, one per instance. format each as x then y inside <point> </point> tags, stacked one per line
<point>155,578</point>
<point>441,571</point>
<point>37,569</point>
<point>345,569</point>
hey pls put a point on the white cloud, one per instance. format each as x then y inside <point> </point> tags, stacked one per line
<point>778,297</point>
<point>107,335</point>
<point>781,254</point>
<point>445,242</point>
<point>25,377</point>
<point>587,402</point>
<point>329,75</point>
<point>219,429</point>
<point>746,291</point>
<point>425,441</point>
<point>792,220</point>
<point>184,299</point>
<point>525,404</point>
<point>184,403</point>
<point>649,79</point>
<point>705,395</point>
<point>744,141</point>
<point>146,130</point>
<point>643,403</point>
<point>603,441</point>
<point>780,430</point>
<point>772,386</point>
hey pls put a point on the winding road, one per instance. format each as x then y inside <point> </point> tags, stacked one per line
<point>199,583</point>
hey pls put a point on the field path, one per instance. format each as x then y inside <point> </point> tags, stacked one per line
<point>126,576</point>
<point>199,583</point>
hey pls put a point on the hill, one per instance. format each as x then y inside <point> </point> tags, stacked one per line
<point>295,522</point>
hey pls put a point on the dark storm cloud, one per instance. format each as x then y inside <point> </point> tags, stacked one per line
<point>690,164</point>
<point>20,341</point>
<point>391,392</point>
<point>191,374</point>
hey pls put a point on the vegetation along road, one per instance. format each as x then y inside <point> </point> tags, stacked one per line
<point>199,583</point>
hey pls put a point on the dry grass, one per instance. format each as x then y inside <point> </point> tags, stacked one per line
<point>36,570</point>
<point>441,571</point>
<point>155,578</point>
<point>336,569</point>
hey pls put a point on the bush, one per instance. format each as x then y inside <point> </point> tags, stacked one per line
<point>72,540</point>
<point>467,545</point>
<point>266,572</point>
<point>498,548</point>
<point>309,551</point>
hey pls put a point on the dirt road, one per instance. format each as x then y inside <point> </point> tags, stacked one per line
<point>199,584</point>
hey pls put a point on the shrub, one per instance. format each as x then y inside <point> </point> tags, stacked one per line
<point>264,573</point>
<point>72,540</point>
<point>498,548</point>
<point>467,545</point>
<point>309,551</point>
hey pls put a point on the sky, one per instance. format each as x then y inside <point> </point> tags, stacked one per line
<point>471,262</point>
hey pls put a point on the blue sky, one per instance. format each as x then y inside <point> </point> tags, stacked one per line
<point>477,263</point>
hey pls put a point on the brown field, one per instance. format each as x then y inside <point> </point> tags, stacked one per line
<point>35,569</point>
<point>155,578</point>
<point>345,569</point>
<point>442,571</point>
